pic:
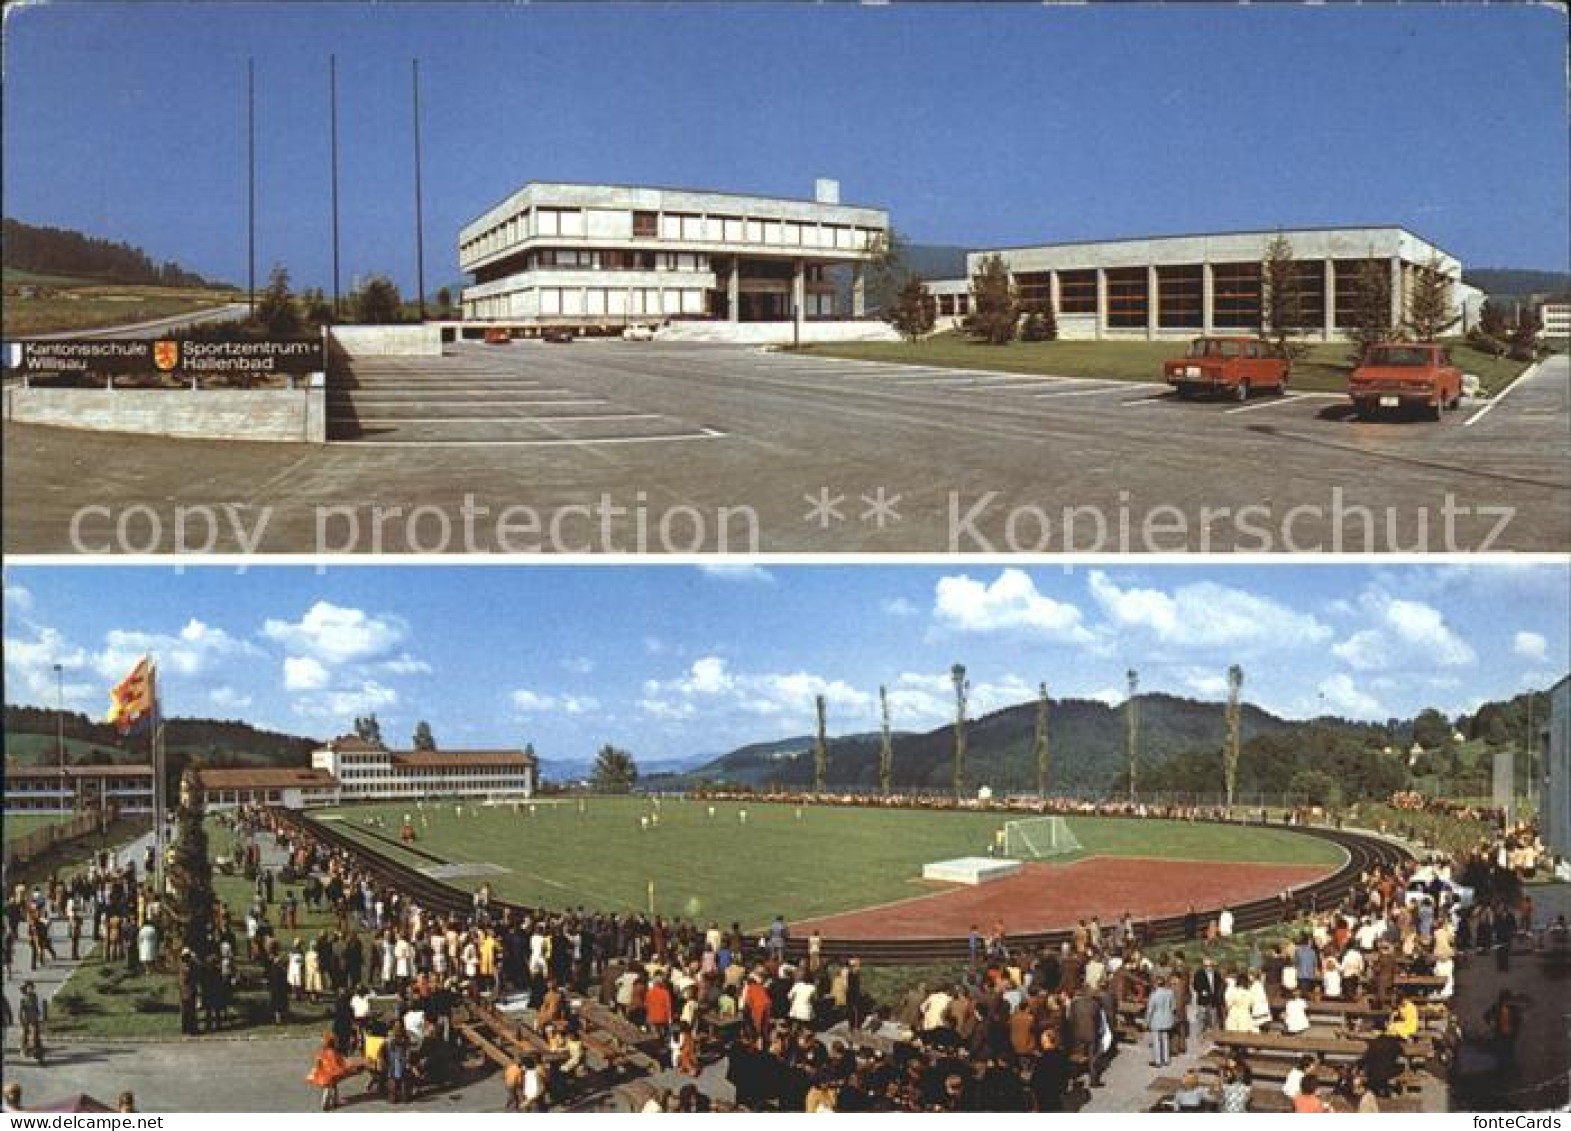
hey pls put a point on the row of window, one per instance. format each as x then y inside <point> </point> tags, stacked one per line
<point>604,260</point>
<point>597,223</point>
<point>1235,297</point>
<point>52,785</point>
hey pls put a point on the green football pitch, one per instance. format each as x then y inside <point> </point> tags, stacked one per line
<point>796,862</point>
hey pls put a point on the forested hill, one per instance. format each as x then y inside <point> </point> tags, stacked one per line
<point>63,251</point>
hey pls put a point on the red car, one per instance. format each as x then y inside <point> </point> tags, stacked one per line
<point>1232,366</point>
<point>1405,375</point>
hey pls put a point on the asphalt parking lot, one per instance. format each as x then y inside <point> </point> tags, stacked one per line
<point>606,446</point>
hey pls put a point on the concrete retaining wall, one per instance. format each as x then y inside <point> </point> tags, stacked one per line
<point>386,341</point>
<point>277,415</point>
<point>776,333</point>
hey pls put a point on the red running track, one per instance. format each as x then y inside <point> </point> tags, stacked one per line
<point>1047,897</point>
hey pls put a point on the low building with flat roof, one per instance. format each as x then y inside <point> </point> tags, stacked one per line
<point>605,256</point>
<point>1555,820</point>
<point>1179,286</point>
<point>289,787</point>
<point>125,788</point>
<point>368,772</point>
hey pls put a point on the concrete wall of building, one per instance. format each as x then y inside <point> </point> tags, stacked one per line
<point>272,415</point>
<point>776,333</point>
<point>1556,823</point>
<point>424,340</point>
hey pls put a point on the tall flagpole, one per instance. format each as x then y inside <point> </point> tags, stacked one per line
<point>159,799</point>
<point>250,195</point>
<point>332,75</point>
<point>419,208</point>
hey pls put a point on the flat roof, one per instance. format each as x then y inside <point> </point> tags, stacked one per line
<point>1219,235</point>
<point>263,777</point>
<point>677,188</point>
<point>98,770</point>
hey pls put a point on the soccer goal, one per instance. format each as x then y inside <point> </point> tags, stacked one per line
<point>1036,837</point>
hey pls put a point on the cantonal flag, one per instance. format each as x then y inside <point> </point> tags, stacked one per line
<point>131,701</point>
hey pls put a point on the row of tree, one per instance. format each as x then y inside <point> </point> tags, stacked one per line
<point>281,313</point>
<point>63,251</point>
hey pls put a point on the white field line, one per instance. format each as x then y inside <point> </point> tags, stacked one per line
<point>1278,402</point>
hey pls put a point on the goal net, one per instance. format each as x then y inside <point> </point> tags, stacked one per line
<point>1036,837</point>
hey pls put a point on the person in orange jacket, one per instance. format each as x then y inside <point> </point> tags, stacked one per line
<point>329,1069</point>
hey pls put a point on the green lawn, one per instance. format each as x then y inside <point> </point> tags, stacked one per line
<point>87,307</point>
<point>828,860</point>
<point>20,824</point>
<point>1323,368</point>
<point>1444,831</point>
<point>103,1000</point>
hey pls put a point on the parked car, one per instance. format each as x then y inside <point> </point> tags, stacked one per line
<point>638,332</point>
<point>496,336</point>
<point>557,334</point>
<point>1231,366</point>
<point>1405,376</point>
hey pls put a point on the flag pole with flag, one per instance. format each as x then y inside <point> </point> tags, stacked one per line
<point>133,703</point>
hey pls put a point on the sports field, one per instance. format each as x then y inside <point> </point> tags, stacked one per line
<point>802,863</point>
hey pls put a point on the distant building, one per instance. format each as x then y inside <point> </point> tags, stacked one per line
<point>1555,822</point>
<point>1179,286</point>
<point>1554,318</point>
<point>128,789</point>
<point>951,302</point>
<point>283,786</point>
<point>608,255</point>
<point>367,772</point>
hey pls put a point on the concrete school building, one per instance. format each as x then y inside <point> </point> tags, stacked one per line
<point>1555,822</point>
<point>1175,287</point>
<point>127,789</point>
<point>365,771</point>
<point>603,256</point>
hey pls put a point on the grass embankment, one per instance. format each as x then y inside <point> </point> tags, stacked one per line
<point>46,304</point>
<point>104,1000</point>
<point>1444,831</point>
<point>1323,368</point>
<point>706,868</point>
<point>18,825</point>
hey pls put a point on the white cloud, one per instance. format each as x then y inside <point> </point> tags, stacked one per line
<point>1010,603</point>
<point>30,670</point>
<point>405,664</point>
<point>1204,615</point>
<point>17,598</point>
<point>1405,633</point>
<point>711,687</point>
<point>305,673</point>
<point>527,702</point>
<point>727,571</point>
<point>1202,681</point>
<point>1343,697</point>
<point>1530,646</point>
<point>579,665</point>
<point>226,698</point>
<point>362,698</point>
<point>337,635</point>
<point>194,651</point>
<point>899,607</point>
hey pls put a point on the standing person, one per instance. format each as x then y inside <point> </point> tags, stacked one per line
<point>30,1012</point>
<point>1051,1073</point>
<point>1207,997</point>
<point>1504,1019</point>
<point>328,1070</point>
<point>1085,1028</point>
<point>1161,1018</point>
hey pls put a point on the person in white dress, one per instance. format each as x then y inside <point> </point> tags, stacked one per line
<point>1295,1014</point>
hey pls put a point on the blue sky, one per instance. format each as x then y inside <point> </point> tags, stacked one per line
<point>975,126</point>
<point>676,660</point>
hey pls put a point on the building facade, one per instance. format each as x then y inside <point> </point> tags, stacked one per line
<point>367,772</point>
<point>1179,286</point>
<point>1554,319</point>
<point>609,255</point>
<point>286,787</point>
<point>1555,823</point>
<point>127,789</point>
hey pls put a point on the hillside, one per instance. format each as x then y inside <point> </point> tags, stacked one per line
<point>45,253</point>
<point>1515,282</point>
<point>30,740</point>
<point>1086,738</point>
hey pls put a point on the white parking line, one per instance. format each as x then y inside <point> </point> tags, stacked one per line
<point>1532,372</point>
<point>1278,402</point>
<point>387,420</point>
<point>1110,387</point>
<point>705,434</point>
<point>1152,399</point>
